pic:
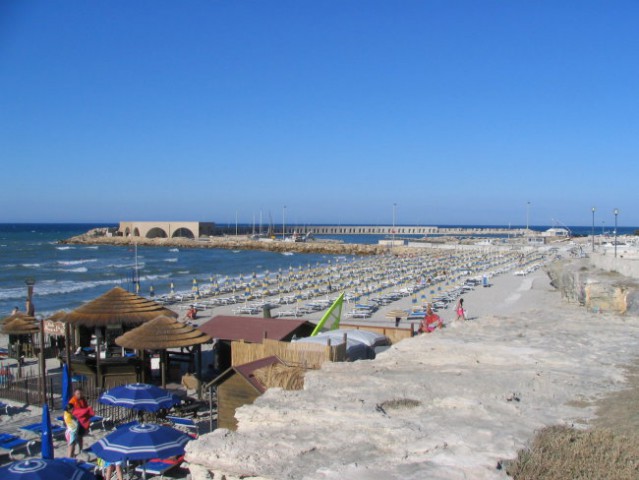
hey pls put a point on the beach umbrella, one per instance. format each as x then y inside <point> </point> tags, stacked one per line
<point>43,469</point>
<point>66,385</point>
<point>140,441</point>
<point>172,288</point>
<point>162,333</point>
<point>117,307</point>
<point>139,396</point>
<point>47,434</point>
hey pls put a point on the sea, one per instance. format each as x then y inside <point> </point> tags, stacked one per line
<point>66,276</point>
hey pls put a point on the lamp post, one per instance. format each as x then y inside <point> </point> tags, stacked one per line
<point>30,282</point>
<point>616,212</point>
<point>284,222</point>
<point>593,228</point>
<point>394,209</point>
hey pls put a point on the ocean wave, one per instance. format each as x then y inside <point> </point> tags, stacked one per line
<point>94,247</point>
<point>174,249</point>
<point>154,277</point>
<point>288,254</point>
<point>170,259</point>
<point>65,248</point>
<point>76,262</point>
<point>184,272</point>
<point>30,265</point>
<point>54,287</point>
<point>75,270</point>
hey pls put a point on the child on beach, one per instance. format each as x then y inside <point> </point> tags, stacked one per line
<point>71,433</point>
<point>461,313</point>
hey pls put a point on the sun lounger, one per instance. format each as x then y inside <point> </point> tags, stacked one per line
<point>13,443</point>
<point>36,428</point>
<point>93,421</point>
<point>5,407</point>
<point>156,467</point>
<point>159,466</point>
<point>184,424</point>
<point>86,466</point>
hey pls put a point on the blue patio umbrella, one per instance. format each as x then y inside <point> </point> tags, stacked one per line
<point>66,385</point>
<point>44,469</point>
<point>47,435</point>
<point>140,441</point>
<point>140,396</point>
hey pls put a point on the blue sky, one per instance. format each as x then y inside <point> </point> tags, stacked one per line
<point>457,111</point>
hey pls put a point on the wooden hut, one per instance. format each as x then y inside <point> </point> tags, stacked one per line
<point>108,317</point>
<point>243,384</point>
<point>226,329</point>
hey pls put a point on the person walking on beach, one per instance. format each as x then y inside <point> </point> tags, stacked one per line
<point>461,313</point>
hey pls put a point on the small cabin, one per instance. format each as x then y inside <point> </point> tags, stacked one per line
<point>226,329</point>
<point>238,386</point>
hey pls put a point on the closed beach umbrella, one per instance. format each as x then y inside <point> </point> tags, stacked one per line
<point>43,469</point>
<point>66,385</point>
<point>47,435</point>
<point>140,441</point>
<point>139,396</point>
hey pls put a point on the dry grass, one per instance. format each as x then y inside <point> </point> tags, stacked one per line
<point>561,453</point>
<point>281,376</point>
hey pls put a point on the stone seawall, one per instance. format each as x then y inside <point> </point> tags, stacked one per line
<point>240,243</point>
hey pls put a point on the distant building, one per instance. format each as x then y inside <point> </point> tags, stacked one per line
<point>166,229</point>
<point>556,232</point>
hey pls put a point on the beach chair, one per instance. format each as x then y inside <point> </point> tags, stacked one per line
<point>86,466</point>
<point>5,407</point>
<point>13,443</point>
<point>36,429</point>
<point>184,424</point>
<point>158,466</point>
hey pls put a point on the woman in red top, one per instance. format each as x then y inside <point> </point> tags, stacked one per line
<point>83,412</point>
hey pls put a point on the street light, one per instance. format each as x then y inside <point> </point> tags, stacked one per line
<point>284,222</point>
<point>593,228</point>
<point>30,282</point>
<point>393,232</point>
<point>616,212</point>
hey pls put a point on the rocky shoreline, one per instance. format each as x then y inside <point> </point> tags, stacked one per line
<point>237,243</point>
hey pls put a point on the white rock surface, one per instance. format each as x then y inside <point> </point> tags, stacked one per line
<point>485,386</point>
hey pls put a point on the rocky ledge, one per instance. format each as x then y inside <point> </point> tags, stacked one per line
<point>96,237</point>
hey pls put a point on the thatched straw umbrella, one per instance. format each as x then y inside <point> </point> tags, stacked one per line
<point>117,307</point>
<point>161,333</point>
<point>20,324</point>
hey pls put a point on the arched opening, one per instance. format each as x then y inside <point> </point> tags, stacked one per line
<point>127,231</point>
<point>156,232</point>
<point>183,232</point>
<point>136,232</point>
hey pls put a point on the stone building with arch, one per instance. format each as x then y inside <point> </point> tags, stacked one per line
<point>166,229</point>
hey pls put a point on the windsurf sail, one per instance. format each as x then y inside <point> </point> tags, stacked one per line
<point>334,313</point>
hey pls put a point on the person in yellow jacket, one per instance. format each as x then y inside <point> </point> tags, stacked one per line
<point>71,433</point>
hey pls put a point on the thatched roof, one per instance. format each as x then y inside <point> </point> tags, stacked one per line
<point>20,325</point>
<point>57,316</point>
<point>17,315</point>
<point>117,307</point>
<point>160,333</point>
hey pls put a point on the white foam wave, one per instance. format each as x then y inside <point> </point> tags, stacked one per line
<point>95,247</point>
<point>288,254</point>
<point>183,272</point>
<point>75,270</point>
<point>46,288</point>
<point>65,248</point>
<point>154,277</point>
<point>30,265</point>
<point>174,249</point>
<point>170,259</point>
<point>76,262</point>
